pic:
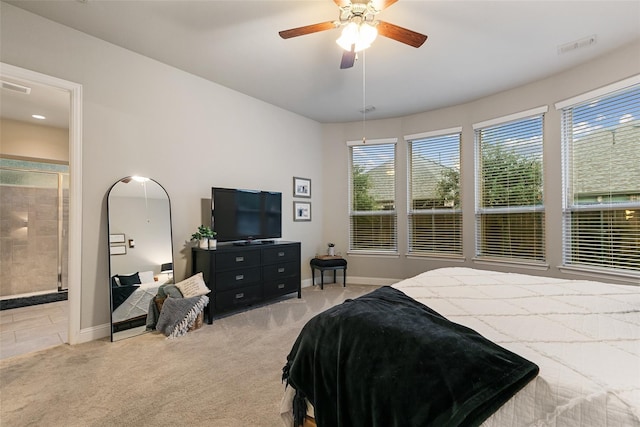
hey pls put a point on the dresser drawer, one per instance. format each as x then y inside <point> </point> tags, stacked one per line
<point>281,287</point>
<point>244,276</point>
<point>237,278</point>
<point>233,260</point>
<point>281,254</point>
<point>277,271</point>
<point>237,298</point>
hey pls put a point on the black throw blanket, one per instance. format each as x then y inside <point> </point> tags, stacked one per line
<point>385,360</point>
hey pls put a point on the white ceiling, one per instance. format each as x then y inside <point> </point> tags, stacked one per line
<point>52,103</point>
<point>475,47</point>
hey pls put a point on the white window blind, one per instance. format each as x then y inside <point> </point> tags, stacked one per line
<point>601,169</point>
<point>434,213</point>
<point>372,206</point>
<point>509,199</point>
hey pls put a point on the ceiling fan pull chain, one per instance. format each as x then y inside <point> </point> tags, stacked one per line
<point>364,95</point>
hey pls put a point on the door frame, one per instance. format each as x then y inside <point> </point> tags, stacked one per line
<point>75,185</point>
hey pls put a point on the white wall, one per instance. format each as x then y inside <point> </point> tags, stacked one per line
<point>601,72</point>
<point>141,117</point>
<point>28,141</point>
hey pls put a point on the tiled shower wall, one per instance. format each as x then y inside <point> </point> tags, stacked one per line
<point>29,240</point>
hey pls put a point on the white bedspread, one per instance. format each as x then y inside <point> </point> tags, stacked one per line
<point>137,304</point>
<point>584,336</point>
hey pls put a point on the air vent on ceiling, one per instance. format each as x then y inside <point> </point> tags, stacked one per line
<point>368,109</point>
<point>578,44</point>
<point>16,87</point>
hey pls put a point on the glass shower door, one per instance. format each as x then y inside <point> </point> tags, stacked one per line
<point>34,218</point>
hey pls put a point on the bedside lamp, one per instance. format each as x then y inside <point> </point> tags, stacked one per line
<point>167,268</point>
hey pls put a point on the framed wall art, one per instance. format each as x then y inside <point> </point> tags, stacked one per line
<point>302,211</point>
<point>116,238</point>
<point>117,250</point>
<point>301,187</point>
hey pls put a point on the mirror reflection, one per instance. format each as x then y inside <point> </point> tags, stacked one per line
<point>140,251</point>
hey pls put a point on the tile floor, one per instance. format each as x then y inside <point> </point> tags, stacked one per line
<point>28,329</point>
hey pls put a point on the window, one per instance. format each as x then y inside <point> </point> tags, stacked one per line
<point>372,205</point>
<point>509,199</point>
<point>434,214</point>
<point>601,170</point>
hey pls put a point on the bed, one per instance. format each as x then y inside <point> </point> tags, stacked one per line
<point>131,296</point>
<point>584,336</point>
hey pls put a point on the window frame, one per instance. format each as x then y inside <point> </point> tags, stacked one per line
<point>411,244</point>
<point>391,212</point>
<point>570,207</point>
<point>480,211</point>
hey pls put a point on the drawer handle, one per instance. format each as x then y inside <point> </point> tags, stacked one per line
<point>280,253</point>
<point>239,259</point>
<point>281,286</point>
<point>240,295</point>
<point>281,270</point>
<point>240,277</point>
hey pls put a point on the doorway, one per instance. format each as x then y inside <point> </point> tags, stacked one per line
<point>35,218</point>
<point>68,190</point>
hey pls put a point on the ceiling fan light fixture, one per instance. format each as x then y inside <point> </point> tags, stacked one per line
<point>361,35</point>
<point>368,33</point>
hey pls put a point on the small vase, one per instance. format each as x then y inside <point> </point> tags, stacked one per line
<point>203,243</point>
<point>213,243</point>
<point>331,251</point>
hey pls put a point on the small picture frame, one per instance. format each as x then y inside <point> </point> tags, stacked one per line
<point>117,250</point>
<point>116,238</point>
<point>301,187</point>
<point>302,211</point>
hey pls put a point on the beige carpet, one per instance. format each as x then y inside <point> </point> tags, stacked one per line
<point>226,374</point>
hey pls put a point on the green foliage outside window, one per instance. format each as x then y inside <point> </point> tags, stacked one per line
<point>362,200</point>
<point>509,178</point>
<point>448,188</point>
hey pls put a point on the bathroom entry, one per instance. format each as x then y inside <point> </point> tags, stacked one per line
<point>34,217</point>
<point>34,192</point>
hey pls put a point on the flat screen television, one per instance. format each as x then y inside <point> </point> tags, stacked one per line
<point>245,216</point>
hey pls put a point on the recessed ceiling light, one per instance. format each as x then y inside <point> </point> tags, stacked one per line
<point>38,116</point>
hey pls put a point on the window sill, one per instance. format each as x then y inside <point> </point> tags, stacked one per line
<point>529,265</point>
<point>438,257</point>
<point>602,274</point>
<point>368,254</point>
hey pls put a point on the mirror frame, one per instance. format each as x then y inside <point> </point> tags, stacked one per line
<point>134,330</point>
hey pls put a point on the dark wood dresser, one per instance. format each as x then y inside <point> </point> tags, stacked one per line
<point>240,276</point>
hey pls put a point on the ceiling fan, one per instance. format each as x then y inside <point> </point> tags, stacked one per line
<point>360,28</point>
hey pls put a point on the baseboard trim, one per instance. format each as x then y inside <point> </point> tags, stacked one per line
<point>103,331</point>
<point>373,281</point>
<point>94,333</point>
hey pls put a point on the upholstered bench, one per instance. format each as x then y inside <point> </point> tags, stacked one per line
<point>328,263</point>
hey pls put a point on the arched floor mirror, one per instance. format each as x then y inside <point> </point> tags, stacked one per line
<point>140,251</point>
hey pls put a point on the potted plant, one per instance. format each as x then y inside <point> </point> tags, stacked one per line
<point>331,251</point>
<point>205,237</point>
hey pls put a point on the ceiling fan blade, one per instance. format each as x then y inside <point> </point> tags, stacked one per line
<point>401,34</point>
<point>307,29</point>
<point>382,4</point>
<point>348,58</point>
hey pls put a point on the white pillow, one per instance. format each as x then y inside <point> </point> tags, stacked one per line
<point>146,276</point>
<point>194,286</point>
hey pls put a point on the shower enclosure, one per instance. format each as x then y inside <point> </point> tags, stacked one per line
<point>34,219</point>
